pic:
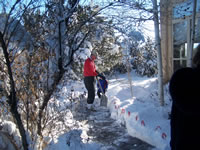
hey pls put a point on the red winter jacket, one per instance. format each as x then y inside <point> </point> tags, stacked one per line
<point>89,68</point>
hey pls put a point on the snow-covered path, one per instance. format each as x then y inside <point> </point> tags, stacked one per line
<point>96,130</point>
<point>106,131</point>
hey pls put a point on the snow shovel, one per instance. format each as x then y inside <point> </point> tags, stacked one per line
<point>104,99</point>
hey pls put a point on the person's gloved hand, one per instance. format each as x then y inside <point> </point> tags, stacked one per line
<point>97,72</point>
<point>101,76</point>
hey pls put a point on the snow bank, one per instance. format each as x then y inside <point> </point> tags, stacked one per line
<point>142,115</point>
<point>72,141</point>
<point>10,128</point>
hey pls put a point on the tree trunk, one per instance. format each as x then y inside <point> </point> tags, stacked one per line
<point>45,102</point>
<point>60,60</point>
<point>74,4</point>
<point>12,99</point>
<point>159,54</point>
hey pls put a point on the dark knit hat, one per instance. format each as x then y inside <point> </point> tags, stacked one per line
<point>94,53</point>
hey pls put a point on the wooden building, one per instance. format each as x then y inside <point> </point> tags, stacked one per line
<point>176,31</point>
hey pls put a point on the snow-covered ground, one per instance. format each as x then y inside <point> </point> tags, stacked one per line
<point>141,114</point>
<point>126,119</point>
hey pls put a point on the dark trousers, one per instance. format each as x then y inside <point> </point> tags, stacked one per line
<point>90,83</point>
